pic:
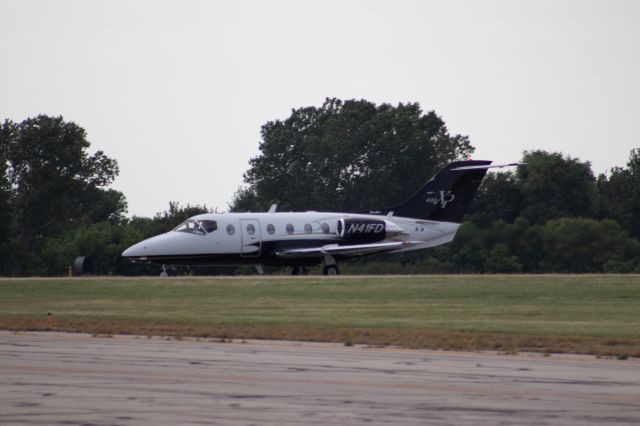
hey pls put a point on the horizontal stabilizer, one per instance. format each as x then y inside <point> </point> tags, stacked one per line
<point>488,166</point>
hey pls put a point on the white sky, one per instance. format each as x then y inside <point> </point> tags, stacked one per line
<point>176,91</point>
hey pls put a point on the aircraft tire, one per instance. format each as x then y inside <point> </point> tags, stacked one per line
<point>331,270</point>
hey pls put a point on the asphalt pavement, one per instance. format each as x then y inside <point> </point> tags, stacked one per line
<point>78,379</point>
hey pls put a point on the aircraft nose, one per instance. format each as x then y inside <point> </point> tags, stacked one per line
<point>160,245</point>
<point>165,245</point>
<point>136,250</point>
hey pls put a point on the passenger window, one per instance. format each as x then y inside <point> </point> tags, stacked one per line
<point>230,229</point>
<point>251,229</point>
<point>307,228</point>
<point>325,228</point>
<point>271,229</point>
<point>289,228</point>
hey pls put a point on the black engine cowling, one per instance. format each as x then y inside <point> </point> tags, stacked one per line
<point>361,230</point>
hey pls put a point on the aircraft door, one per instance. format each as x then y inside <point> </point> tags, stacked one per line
<point>251,241</point>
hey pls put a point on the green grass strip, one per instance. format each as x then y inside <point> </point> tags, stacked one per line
<point>600,310</point>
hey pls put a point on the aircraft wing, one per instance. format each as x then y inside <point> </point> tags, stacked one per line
<point>335,249</point>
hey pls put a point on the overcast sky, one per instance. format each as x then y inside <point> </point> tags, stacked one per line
<point>176,91</point>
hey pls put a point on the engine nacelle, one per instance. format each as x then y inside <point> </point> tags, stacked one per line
<point>361,230</point>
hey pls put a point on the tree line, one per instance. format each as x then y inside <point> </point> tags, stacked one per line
<point>550,215</point>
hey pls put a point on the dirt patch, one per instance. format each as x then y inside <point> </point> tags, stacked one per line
<point>406,338</point>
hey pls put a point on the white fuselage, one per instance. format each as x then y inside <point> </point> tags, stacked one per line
<point>259,237</point>
<point>430,217</point>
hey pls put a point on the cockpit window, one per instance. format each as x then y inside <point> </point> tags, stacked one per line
<point>198,227</point>
<point>209,225</point>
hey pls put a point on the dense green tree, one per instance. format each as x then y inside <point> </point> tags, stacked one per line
<point>620,194</point>
<point>6,208</point>
<point>54,185</point>
<point>347,155</point>
<point>555,186</point>
<point>574,245</point>
<point>499,197</point>
<point>547,186</point>
<point>581,245</point>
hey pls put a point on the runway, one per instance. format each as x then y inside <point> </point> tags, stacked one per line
<point>69,379</point>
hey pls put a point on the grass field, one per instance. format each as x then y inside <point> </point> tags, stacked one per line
<point>598,314</point>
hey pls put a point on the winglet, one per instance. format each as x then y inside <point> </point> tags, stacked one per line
<point>273,208</point>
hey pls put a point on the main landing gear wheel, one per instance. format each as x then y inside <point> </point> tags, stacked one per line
<point>330,270</point>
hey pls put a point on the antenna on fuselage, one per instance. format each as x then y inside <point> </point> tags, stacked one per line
<point>273,208</point>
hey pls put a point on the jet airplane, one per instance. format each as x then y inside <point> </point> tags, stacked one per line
<point>429,218</point>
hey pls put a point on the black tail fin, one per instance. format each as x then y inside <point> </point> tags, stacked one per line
<point>447,196</point>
